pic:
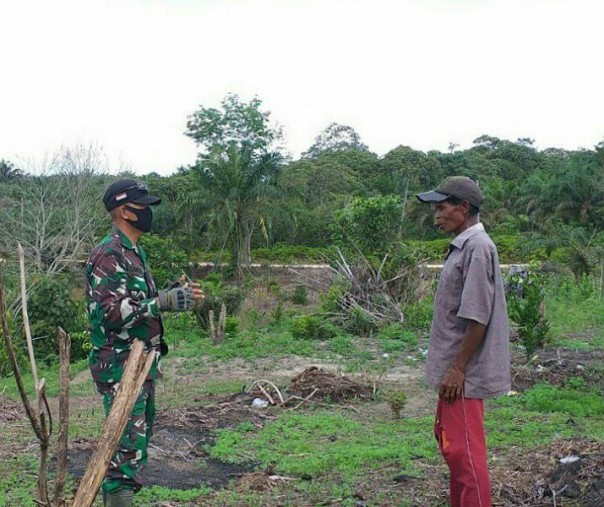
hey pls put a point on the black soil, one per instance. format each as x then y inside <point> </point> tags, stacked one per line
<point>178,452</point>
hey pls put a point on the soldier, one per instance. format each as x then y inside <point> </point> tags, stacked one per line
<point>124,305</point>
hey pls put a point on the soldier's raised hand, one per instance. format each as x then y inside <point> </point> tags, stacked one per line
<point>177,299</point>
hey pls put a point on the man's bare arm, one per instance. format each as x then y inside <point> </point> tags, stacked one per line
<point>451,386</point>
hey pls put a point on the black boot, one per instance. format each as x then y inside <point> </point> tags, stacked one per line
<point>120,498</point>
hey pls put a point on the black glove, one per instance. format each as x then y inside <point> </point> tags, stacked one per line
<point>152,343</point>
<point>178,299</point>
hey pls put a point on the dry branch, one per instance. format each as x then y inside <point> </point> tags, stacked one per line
<point>259,382</point>
<point>31,415</point>
<point>30,345</point>
<point>46,426</point>
<point>137,368</point>
<point>64,356</point>
<point>42,428</point>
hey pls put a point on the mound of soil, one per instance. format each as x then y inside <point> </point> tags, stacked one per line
<point>10,411</point>
<point>328,385</point>
<point>557,366</point>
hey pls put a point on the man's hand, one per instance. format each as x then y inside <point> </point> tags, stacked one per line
<point>451,386</point>
<point>198,294</point>
<point>177,299</point>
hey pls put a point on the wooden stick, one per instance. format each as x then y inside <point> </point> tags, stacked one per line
<point>64,355</point>
<point>44,442</point>
<point>10,351</point>
<point>258,382</point>
<point>138,366</point>
<point>30,344</point>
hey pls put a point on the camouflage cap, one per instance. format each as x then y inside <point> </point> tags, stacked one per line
<point>460,187</point>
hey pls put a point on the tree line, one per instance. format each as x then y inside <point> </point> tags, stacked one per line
<point>244,191</point>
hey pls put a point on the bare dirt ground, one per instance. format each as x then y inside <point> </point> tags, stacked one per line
<point>179,451</point>
<point>556,366</point>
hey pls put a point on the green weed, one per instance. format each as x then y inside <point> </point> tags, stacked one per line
<point>327,443</point>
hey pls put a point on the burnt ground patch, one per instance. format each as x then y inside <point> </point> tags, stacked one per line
<point>178,452</point>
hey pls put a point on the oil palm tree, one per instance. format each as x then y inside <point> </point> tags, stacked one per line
<point>238,183</point>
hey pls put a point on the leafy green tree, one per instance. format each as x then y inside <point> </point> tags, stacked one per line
<point>335,137</point>
<point>238,182</point>
<point>404,166</point>
<point>372,224</point>
<point>234,122</point>
<point>313,189</point>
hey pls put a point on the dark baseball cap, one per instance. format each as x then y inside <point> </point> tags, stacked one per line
<point>459,187</point>
<point>125,191</point>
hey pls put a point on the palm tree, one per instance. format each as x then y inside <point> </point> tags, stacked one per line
<point>8,171</point>
<point>238,183</point>
<point>576,195</point>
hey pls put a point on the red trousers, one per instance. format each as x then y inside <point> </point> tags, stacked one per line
<point>459,429</point>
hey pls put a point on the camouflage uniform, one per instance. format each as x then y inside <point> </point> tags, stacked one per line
<point>120,297</point>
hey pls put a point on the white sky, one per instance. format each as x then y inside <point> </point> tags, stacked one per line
<point>126,74</point>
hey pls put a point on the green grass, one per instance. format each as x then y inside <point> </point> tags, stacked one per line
<point>544,413</point>
<point>18,478</point>
<point>575,313</point>
<point>50,374</point>
<point>249,346</point>
<point>327,443</point>
<point>160,495</point>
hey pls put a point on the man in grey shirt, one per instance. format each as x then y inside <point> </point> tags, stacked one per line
<point>468,355</point>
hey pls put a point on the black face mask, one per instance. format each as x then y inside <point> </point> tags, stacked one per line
<point>144,218</point>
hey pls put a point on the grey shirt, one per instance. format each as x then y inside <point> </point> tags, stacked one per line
<point>471,288</point>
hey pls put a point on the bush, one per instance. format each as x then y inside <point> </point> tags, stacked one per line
<point>396,337</point>
<point>359,322</point>
<point>167,260</point>
<point>526,309</point>
<point>397,399</point>
<point>418,315</point>
<point>51,305</point>
<point>231,326</point>
<point>20,352</point>
<point>215,295</point>
<point>372,223</point>
<point>288,254</point>
<point>299,295</point>
<point>310,327</point>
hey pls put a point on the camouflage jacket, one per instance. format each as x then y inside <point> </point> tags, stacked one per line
<point>121,304</point>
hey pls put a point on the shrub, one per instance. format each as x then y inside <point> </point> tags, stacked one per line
<point>299,295</point>
<point>215,295</point>
<point>372,223</point>
<point>526,309</point>
<point>359,322</point>
<point>20,352</point>
<point>418,315</point>
<point>397,399</point>
<point>51,305</point>
<point>310,327</point>
<point>394,338</point>
<point>167,259</point>
<point>231,327</point>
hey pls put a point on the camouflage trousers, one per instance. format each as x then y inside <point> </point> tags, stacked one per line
<point>125,468</point>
